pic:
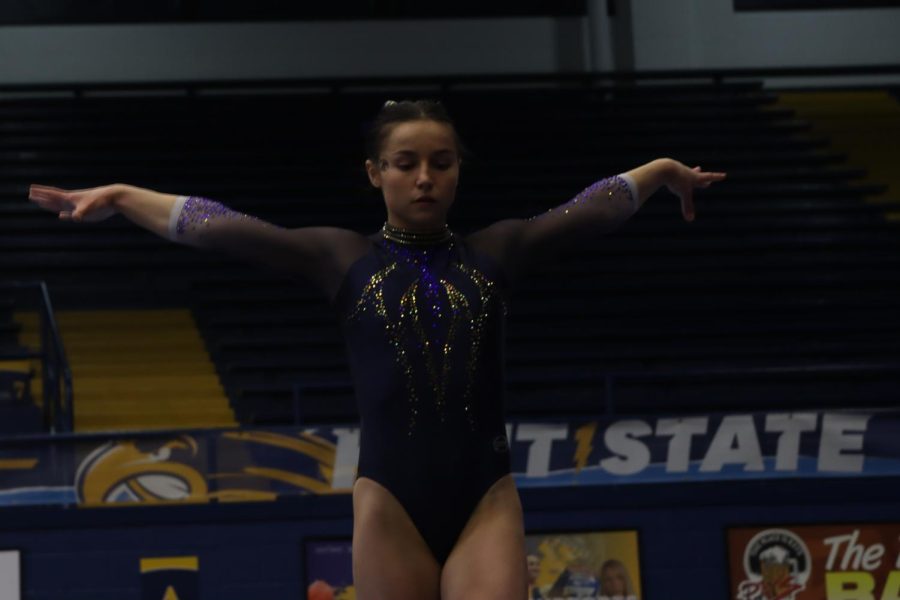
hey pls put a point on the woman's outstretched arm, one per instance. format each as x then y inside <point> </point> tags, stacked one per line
<point>598,209</point>
<point>320,254</point>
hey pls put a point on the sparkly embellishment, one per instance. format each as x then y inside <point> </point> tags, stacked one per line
<point>406,237</point>
<point>198,211</point>
<point>373,295</point>
<point>410,329</point>
<point>614,187</point>
<point>487,292</point>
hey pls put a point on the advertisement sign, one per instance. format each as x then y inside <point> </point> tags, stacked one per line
<point>815,562</point>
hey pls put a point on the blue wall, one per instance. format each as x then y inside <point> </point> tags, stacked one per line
<point>255,550</point>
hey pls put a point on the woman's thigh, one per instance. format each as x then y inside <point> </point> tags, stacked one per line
<point>390,559</point>
<point>488,561</point>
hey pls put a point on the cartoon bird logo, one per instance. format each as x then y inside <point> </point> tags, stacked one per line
<point>153,473</point>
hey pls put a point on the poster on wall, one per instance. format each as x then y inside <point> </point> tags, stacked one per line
<point>583,565</point>
<point>815,562</point>
<point>10,585</point>
<point>329,570</point>
<point>589,565</point>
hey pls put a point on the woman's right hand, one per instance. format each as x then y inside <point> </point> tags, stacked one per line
<point>88,205</point>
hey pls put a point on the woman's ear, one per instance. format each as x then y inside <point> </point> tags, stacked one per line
<point>373,173</point>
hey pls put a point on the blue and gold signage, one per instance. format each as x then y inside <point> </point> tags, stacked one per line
<point>170,578</point>
<point>263,465</point>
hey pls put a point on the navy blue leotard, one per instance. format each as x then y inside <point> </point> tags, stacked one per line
<point>424,331</point>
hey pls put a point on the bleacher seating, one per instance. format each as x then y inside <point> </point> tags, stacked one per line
<point>18,411</point>
<point>779,296</point>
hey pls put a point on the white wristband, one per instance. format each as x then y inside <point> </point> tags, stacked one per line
<point>173,217</point>
<point>632,187</point>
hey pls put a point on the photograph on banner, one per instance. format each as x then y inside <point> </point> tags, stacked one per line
<point>815,562</point>
<point>329,569</point>
<point>600,565</point>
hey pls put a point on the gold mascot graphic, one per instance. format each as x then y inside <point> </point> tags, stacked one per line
<point>123,471</point>
<point>174,470</point>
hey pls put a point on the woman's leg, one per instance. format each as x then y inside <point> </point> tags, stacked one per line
<point>488,561</point>
<point>390,559</point>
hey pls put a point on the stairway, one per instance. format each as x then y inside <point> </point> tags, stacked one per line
<point>136,370</point>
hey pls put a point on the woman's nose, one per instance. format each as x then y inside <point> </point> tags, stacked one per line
<point>424,177</point>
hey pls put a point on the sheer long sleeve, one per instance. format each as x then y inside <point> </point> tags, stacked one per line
<point>519,244</point>
<point>320,255</point>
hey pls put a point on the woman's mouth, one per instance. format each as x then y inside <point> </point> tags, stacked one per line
<point>424,199</point>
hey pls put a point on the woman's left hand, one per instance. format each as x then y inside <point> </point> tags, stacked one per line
<point>682,180</point>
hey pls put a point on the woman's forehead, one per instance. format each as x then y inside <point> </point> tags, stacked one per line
<point>425,137</point>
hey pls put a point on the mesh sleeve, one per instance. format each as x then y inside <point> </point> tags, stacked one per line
<point>519,244</point>
<point>320,255</point>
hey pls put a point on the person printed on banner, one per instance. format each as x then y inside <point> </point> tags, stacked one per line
<point>615,582</point>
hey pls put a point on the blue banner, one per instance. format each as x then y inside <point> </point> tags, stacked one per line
<point>260,465</point>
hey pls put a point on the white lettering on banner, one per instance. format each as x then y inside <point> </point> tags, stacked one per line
<point>842,432</point>
<point>735,442</point>
<point>346,456</point>
<point>854,556</point>
<point>681,430</point>
<point>541,437</point>
<point>633,456</point>
<point>626,444</point>
<point>791,426</point>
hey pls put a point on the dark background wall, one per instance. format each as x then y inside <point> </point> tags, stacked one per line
<point>255,550</point>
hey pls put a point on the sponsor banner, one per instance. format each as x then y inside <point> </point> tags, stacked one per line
<point>10,584</point>
<point>596,566</point>
<point>821,562</point>
<point>253,465</point>
<point>170,578</point>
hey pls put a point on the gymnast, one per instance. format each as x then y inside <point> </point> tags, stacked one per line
<point>436,513</point>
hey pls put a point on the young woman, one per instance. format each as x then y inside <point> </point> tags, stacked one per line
<point>436,512</point>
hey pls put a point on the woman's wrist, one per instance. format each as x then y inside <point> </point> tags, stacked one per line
<point>668,170</point>
<point>120,194</point>
<point>146,208</point>
<point>651,176</point>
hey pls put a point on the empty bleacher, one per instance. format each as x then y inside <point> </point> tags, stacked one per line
<point>781,295</point>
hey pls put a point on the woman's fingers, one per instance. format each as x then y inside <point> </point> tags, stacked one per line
<point>687,205</point>
<point>697,179</point>
<point>88,205</point>
<point>52,204</point>
<point>46,190</point>
<point>65,202</point>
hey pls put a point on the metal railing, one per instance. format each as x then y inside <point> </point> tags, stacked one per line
<point>56,376</point>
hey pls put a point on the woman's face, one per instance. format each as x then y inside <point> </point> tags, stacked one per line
<point>417,172</point>
<point>612,582</point>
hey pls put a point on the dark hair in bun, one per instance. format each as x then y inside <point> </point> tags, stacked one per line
<point>393,113</point>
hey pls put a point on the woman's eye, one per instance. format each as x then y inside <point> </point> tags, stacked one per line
<point>404,166</point>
